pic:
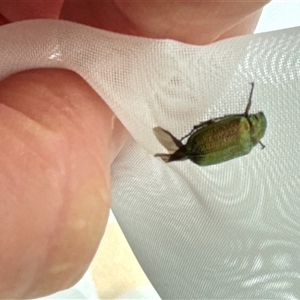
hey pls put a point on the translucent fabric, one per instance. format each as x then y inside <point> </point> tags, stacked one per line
<point>225,231</point>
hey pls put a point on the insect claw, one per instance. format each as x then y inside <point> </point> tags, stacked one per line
<point>262,145</point>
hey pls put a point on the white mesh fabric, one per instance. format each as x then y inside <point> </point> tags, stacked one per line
<point>225,231</point>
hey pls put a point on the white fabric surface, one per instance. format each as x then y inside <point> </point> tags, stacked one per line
<point>226,231</point>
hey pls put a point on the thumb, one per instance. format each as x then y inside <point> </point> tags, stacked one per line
<point>57,143</point>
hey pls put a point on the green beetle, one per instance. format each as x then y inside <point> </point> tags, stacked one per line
<point>216,140</point>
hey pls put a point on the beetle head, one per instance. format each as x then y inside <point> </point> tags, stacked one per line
<point>258,125</point>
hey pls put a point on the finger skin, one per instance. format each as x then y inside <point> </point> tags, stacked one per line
<point>56,139</point>
<point>194,22</point>
<point>18,10</point>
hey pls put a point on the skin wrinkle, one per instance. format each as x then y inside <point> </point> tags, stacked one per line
<point>23,114</point>
<point>17,135</point>
<point>14,200</point>
<point>126,13</point>
<point>3,20</point>
<point>130,23</point>
<point>72,114</point>
<point>62,216</point>
<point>35,265</point>
<point>50,169</point>
<point>82,127</point>
<point>48,94</point>
<point>11,175</point>
<point>25,196</point>
<point>113,120</point>
<point>66,113</point>
<point>27,261</point>
<point>28,111</point>
<point>77,126</point>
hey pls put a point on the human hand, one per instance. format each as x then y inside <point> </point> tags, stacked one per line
<point>58,141</point>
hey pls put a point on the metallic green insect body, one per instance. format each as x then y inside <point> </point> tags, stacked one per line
<point>216,140</point>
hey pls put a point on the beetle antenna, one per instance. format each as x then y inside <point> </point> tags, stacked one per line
<point>250,100</point>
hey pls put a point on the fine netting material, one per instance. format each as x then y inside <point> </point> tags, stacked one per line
<point>225,231</point>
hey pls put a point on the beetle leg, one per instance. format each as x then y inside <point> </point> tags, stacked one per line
<point>187,135</point>
<point>209,122</point>
<point>262,145</point>
<point>205,123</point>
<point>202,124</point>
<point>250,100</point>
